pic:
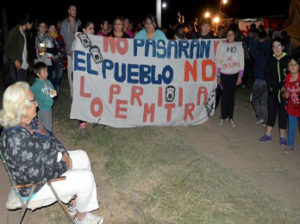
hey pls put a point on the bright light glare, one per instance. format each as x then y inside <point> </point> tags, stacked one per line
<point>225,1</point>
<point>164,5</point>
<point>206,14</point>
<point>216,19</point>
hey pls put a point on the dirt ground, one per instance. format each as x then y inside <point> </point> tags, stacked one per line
<point>237,149</point>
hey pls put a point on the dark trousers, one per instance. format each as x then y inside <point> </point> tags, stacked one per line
<point>228,83</point>
<point>219,92</point>
<point>57,75</point>
<point>50,74</point>
<point>275,106</point>
<point>15,75</point>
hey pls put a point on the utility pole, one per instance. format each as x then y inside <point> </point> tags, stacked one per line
<point>158,12</point>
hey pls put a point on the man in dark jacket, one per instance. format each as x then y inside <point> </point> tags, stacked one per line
<point>260,50</point>
<point>15,49</point>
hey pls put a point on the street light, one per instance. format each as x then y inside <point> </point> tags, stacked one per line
<point>164,13</point>
<point>206,14</point>
<point>216,19</point>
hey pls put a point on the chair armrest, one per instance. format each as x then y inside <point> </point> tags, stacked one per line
<point>19,186</point>
<point>56,179</point>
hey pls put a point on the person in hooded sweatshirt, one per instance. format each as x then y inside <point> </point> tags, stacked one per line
<point>260,50</point>
<point>275,73</point>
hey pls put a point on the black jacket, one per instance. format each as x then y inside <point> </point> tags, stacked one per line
<point>260,52</point>
<point>14,45</point>
<point>275,72</point>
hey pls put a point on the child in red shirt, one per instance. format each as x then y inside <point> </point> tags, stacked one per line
<point>291,91</point>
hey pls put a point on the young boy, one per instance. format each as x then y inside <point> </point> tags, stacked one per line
<point>43,91</point>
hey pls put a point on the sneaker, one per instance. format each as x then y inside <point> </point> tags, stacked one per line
<point>72,210</point>
<point>221,122</point>
<point>232,123</point>
<point>289,149</point>
<point>265,138</point>
<point>260,121</point>
<point>89,219</point>
<point>282,141</point>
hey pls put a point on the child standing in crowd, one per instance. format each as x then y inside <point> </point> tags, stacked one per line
<point>291,91</point>
<point>230,68</point>
<point>43,92</point>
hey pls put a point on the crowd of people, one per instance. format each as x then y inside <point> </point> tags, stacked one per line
<point>261,56</point>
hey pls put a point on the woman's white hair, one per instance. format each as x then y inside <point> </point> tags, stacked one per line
<point>15,104</point>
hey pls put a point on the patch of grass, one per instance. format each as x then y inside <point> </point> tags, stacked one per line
<point>159,178</point>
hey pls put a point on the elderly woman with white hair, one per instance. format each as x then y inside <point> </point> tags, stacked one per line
<point>33,155</point>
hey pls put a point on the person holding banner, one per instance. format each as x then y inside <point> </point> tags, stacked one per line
<point>87,28</point>
<point>205,31</point>
<point>151,31</point>
<point>230,68</point>
<point>118,28</point>
<point>104,28</point>
<point>128,28</point>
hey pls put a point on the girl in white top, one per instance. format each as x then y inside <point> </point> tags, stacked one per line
<point>230,68</point>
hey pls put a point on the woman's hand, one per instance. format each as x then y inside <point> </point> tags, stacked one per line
<point>239,81</point>
<point>67,159</point>
<point>285,92</point>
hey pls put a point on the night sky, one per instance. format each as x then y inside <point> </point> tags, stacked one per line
<point>53,10</point>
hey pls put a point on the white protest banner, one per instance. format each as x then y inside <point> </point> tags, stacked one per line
<point>128,82</point>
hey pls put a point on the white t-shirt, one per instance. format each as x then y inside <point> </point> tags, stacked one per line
<point>230,57</point>
<point>24,54</point>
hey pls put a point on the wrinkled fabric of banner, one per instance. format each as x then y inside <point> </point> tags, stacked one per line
<point>128,83</point>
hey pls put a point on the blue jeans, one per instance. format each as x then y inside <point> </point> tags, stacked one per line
<point>292,129</point>
<point>57,75</point>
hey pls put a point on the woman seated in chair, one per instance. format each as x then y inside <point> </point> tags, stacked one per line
<point>34,155</point>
